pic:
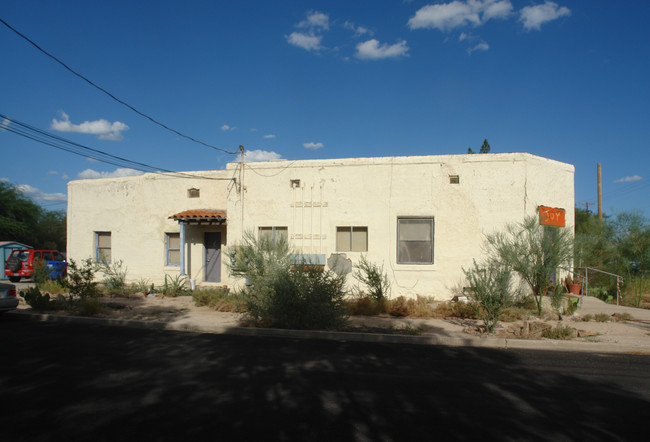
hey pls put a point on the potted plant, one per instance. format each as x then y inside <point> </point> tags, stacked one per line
<point>571,286</point>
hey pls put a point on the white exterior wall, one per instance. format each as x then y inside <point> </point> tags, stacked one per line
<point>494,189</point>
<point>135,210</point>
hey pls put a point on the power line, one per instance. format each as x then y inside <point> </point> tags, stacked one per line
<point>41,136</point>
<point>113,96</point>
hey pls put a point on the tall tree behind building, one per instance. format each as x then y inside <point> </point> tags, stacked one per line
<point>24,221</point>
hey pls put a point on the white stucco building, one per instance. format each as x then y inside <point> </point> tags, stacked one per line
<point>422,217</point>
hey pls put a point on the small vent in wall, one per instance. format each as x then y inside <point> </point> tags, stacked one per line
<point>295,183</point>
<point>454,179</point>
<point>193,192</point>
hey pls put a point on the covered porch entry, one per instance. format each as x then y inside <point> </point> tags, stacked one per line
<point>196,224</point>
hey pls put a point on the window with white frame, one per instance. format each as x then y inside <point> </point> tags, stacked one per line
<point>274,233</point>
<point>103,247</point>
<point>415,240</point>
<point>172,249</point>
<point>352,239</point>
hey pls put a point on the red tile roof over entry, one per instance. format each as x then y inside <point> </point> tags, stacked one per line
<point>200,215</point>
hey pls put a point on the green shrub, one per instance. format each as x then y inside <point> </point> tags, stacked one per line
<point>37,300</point>
<point>374,277</point>
<point>80,281</point>
<point>176,286</point>
<point>562,332</point>
<point>279,295</point>
<point>572,306</point>
<point>143,286</point>
<point>41,272</point>
<point>114,275</point>
<point>53,287</point>
<point>601,293</point>
<point>556,296</point>
<point>298,299</point>
<point>490,291</point>
<point>638,287</point>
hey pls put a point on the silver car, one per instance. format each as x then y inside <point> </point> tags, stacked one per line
<point>8,298</point>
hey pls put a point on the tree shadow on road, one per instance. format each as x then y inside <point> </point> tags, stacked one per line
<point>102,383</point>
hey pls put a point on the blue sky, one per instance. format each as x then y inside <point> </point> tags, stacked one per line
<point>567,80</point>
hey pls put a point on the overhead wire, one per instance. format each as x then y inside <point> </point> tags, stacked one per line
<point>41,136</point>
<point>111,95</point>
<point>272,175</point>
<point>628,188</point>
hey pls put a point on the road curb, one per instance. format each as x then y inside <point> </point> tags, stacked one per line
<point>452,341</point>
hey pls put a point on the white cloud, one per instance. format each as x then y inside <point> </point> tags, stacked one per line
<point>533,17</point>
<point>314,20</point>
<point>496,9</point>
<point>629,179</point>
<point>455,14</point>
<point>4,179</point>
<point>254,156</point>
<point>307,42</point>
<point>269,136</point>
<point>53,172</point>
<point>38,196</point>
<point>312,145</point>
<point>482,46</point>
<point>5,123</point>
<point>358,30</point>
<point>90,174</point>
<point>226,128</point>
<point>65,176</point>
<point>92,160</point>
<point>105,129</point>
<point>372,50</point>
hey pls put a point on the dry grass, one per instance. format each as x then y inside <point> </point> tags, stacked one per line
<point>601,317</point>
<point>218,299</point>
<point>418,307</point>
<point>364,305</point>
<point>561,332</point>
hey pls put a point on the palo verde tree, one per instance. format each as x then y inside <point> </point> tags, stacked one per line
<point>533,252</point>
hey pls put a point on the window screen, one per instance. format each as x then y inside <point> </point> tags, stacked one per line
<point>103,246</point>
<point>352,239</point>
<point>173,249</point>
<point>273,233</point>
<point>415,241</point>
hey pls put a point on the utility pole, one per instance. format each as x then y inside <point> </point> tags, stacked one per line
<point>600,194</point>
<point>587,205</point>
<point>241,188</point>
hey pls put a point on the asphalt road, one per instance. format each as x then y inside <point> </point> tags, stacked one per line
<point>79,382</point>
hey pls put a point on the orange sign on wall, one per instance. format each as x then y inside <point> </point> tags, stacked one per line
<point>551,216</point>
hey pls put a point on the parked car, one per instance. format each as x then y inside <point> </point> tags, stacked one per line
<point>8,298</point>
<point>20,263</point>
